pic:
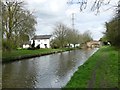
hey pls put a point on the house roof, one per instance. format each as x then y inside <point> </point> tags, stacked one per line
<point>41,37</point>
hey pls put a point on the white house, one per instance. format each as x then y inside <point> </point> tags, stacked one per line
<point>72,45</point>
<point>42,40</point>
<point>26,45</point>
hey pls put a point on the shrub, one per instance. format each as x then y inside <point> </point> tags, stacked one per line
<point>38,46</point>
<point>8,45</point>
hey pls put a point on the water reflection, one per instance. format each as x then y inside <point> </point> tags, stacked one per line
<point>51,71</point>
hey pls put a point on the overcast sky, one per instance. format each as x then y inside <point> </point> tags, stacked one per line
<point>49,12</point>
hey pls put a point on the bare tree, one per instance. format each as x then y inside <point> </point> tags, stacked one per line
<point>0,25</point>
<point>64,36</point>
<point>16,21</point>
<point>73,37</point>
<point>60,32</point>
<point>97,4</point>
<point>69,36</point>
<point>86,36</point>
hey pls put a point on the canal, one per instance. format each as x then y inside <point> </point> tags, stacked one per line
<point>50,71</point>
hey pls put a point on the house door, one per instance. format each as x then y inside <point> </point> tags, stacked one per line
<point>45,45</point>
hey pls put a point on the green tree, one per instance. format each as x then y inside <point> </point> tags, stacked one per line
<point>113,28</point>
<point>113,31</point>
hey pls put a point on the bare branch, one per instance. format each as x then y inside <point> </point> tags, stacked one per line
<point>97,4</point>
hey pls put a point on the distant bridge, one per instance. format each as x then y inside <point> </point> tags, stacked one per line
<point>93,44</point>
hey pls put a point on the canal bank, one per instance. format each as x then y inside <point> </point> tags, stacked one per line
<point>49,71</point>
<point>26,54</point>
<point>100,71</point>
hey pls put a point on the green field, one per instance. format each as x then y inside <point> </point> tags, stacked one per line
<point>24,53</point>
<point>100,71</point>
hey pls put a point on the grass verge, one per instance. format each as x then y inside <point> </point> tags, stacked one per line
<point>100,71</point>
<point>22,54</point>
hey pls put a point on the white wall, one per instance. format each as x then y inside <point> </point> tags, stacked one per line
<point>26,46</point>
<point>72,45</point>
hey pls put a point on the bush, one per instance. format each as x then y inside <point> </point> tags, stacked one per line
<point>34,48</point>
<point>31,48</point>
<point>33,45</point>
<point>38,46</point>
<point>8,45</point>
<point>105,43</point>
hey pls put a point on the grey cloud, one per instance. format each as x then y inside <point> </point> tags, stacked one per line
<point>86,20</point>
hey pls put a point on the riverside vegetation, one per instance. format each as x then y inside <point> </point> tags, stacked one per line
<point>24,53</point>
<point>100,71</point>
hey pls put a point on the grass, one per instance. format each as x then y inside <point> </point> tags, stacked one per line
<point>100,71</point>
<point>18,54</point>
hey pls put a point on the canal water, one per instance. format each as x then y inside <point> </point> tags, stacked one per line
<point>50,71</point>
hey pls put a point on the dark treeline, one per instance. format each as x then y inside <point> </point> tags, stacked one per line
<point>112,33</point>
